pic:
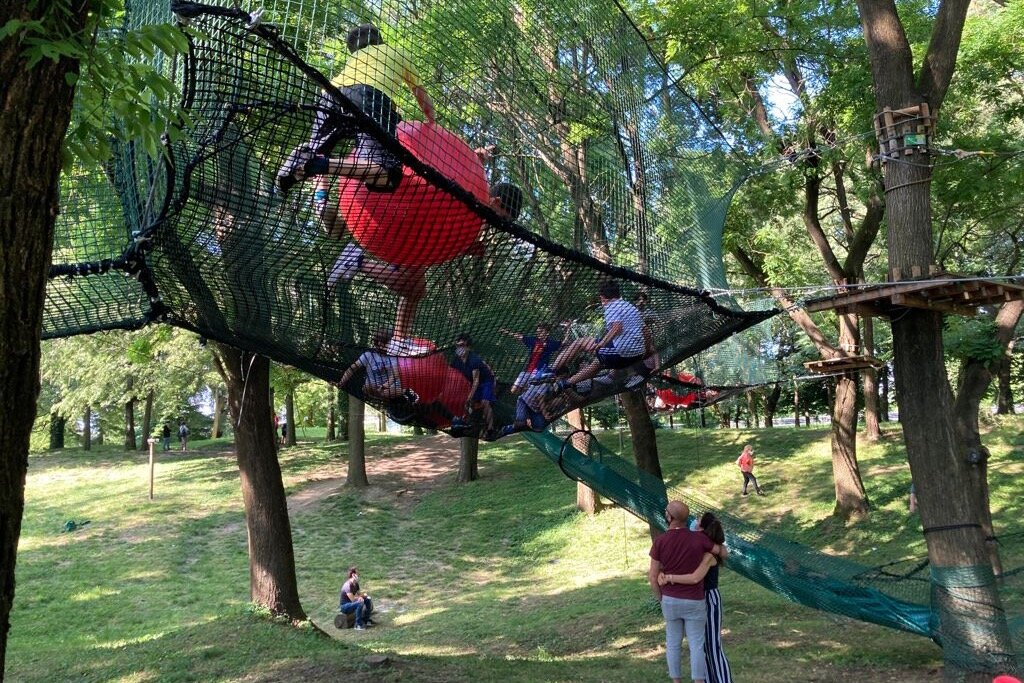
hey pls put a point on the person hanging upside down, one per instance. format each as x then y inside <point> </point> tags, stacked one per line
<point>622,346</point>
<point>382,380</point>
<point>374,72</point>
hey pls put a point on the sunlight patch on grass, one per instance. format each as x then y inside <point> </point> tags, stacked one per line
<point>92,594</point>
<point>118,644</point>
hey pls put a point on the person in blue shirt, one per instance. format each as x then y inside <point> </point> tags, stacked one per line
<point>480,378</point>
<point>542,349</point>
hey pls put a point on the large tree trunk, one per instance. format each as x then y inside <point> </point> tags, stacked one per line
<point>272,582</point>
<point>645,442</point>
<point>356,444</point>
<point>58,423</point>
<point>35,107</point>
<point>587,500</point>
<point>1004,392</point>
<point>147,422</point>
<point>971,624</point>
<point>87,429</point>
<point>289,412</point>
<point>872,432</point>
<point>343,411</point>
<point>851,499</point>
<point>130,443</point>
<point>469,448</point>
<point>883,396</point>
<point>975,378</point>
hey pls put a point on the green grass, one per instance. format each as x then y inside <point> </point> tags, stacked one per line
<point>500,580</point>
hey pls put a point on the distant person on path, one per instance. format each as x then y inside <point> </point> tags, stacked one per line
<point>165,434</point>
<point>714,654</point>
<point>681,551</point>
<point>354,600</point>
<point>746,464</point>
<point>183,435</point>
<point>284,433</point>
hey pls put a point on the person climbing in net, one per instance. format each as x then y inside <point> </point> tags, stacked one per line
<point>382,379</point>
<point>482,385</point>
<point>542,347</point>
<point>373,74</point>
<point>618,354</point>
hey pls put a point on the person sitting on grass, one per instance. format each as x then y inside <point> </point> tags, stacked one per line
<point>382,381</point>
<point>354,600</point>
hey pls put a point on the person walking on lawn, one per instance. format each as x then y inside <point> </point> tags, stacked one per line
<point>746,464</point>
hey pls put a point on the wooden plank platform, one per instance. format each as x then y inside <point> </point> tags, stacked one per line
<point>831,366</point>
<point>944,293</point>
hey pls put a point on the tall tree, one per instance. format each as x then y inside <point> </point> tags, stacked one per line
<point>356,444</point>
<point>272,582</point>
<point>972,624</point>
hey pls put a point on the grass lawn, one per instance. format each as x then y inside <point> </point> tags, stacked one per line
<point>499,580</point>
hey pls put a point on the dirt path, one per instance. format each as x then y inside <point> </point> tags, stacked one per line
<point>404,471</point>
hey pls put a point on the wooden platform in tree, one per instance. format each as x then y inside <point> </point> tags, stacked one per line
<point>832,366</point>
<point>945,293</point>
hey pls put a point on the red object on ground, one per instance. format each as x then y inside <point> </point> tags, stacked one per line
<point>418,224</point>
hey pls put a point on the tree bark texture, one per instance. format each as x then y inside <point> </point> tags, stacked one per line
<point>587,500</point>
<point>218,412</point>
<point>872,431</point>
<point>343,411</point>
<point>971,624</point>
<point>272,582</point>
<point>58,423</point>
<point>771,404</point>
<point>130,443</point>
<point>645,442</point>
<point>289,412</point>
<point>469,449</point>
<point>851,498</point>
<point>1004,392</point>
<point>35,108</point>
<point>332,426</point>
<point>356,444</point>
<point>87,429</point>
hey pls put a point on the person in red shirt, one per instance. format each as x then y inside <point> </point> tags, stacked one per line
<point>746,464</point>
<point>681,551</point>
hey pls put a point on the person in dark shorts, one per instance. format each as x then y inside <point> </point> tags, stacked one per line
<point>480,377</point>
<point>372,76</point>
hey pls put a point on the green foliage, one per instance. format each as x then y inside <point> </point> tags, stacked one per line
<point>972,338</point>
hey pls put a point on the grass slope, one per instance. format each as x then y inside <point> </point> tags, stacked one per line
<point>500,580</point>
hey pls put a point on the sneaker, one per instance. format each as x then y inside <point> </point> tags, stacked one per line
<point>760,493</point>
<point>348,264</point>
<point>301,163</point>
<point>542,378</point>
<point>745,493</point>
<point>359,627</point>
<point>411,396</point>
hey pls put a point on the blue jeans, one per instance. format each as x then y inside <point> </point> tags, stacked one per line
<point>361,608</point>
<point>691,615</point>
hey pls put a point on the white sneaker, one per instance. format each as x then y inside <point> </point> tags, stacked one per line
<point>348,264</point>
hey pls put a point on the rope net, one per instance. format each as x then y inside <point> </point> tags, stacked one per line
<point>360,187</point>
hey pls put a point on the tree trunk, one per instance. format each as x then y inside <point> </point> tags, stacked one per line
<point>1004,392</point>
<point>289,412</point>
<point>587,499</point>
<point>883,396</point>
<point>343,421</point>
<point>147,421</point>
<point>469,447</point>
<point>796,405</point>
<point>58,423</point>
<point>218,412</point>
<point>34,113</point>
<point>332,433</point>
<point>356,444</point>
<point>382,421</point>
<point>851,499</point>
<point>130,443</point>
<point>971,624</point>
<point>87,429</point>
<point>272,582</point>
<point>645,442</point>
<point>771,404</point>
<point>872,432</point>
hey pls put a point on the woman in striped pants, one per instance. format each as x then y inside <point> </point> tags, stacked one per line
<point>714,655</point>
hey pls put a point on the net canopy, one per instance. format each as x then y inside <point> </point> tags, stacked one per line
<point>358,170</point>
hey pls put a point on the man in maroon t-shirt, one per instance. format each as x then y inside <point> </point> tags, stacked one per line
<point>681,551</point>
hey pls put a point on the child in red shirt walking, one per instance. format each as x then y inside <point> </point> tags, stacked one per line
<point>746,465</point>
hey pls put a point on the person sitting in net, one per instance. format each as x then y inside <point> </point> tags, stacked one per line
<point>382,381</point>
<point>410,282</point>
<point>481,380</point>
<point>622,346</point>
<point>373,73</point>
<point>532,414</point>
<point>542,348</point>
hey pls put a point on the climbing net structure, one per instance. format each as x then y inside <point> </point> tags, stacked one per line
<point>350,172</point>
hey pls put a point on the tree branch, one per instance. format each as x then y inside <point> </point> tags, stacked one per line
<point>940,60</point>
